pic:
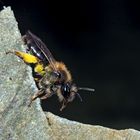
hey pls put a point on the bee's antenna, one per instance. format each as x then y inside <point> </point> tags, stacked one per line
<point>79,97</point>
<point>86,89</point>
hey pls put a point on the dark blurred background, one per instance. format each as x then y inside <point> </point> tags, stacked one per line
<point>99,41</point>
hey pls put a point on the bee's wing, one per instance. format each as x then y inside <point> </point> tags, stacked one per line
<point>43,48</point>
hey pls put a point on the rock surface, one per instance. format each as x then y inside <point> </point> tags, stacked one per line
<point>17,121</point>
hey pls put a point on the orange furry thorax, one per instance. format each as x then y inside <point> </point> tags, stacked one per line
<point>61,67</point>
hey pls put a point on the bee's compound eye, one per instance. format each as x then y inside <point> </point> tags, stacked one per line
<point>65,90</point>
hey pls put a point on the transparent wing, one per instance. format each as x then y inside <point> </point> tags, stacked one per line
<point>43,48</point>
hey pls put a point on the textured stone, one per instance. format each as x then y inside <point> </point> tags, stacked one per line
<point>17,121</point>
<point>64,129</point>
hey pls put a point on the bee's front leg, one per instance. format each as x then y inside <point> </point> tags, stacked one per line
<point>35,96</point>
<point>64,104</point>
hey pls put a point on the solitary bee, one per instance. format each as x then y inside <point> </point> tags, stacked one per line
<point>51,76</point>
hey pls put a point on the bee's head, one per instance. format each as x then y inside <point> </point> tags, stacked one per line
<point>69,91</point>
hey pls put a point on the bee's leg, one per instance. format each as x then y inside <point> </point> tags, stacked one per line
<point>24,39</point>
<point>26,57</point>
<point>64,104</point>
<point>35,96</point>
<point>46,96</point>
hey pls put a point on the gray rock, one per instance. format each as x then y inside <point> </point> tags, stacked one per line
<point>64,129</point>
<point>17,121</point>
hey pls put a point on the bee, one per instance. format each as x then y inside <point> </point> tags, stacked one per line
<point>51,76</point>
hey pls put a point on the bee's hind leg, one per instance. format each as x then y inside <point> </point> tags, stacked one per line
<point>26,57</point>
<point>35,96</point>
